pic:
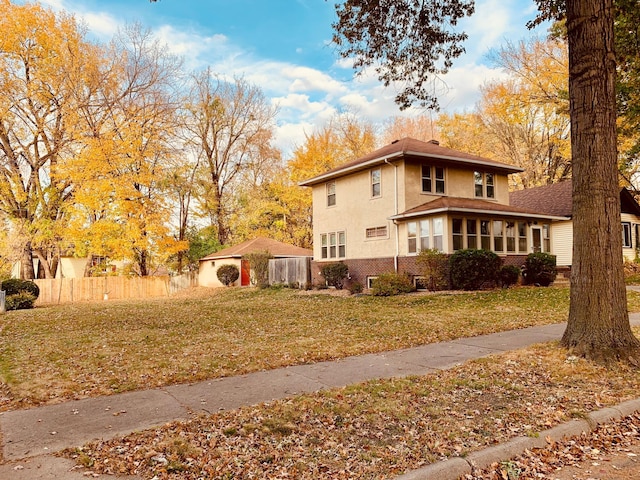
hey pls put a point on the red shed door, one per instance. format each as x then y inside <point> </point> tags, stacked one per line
<point>245,273</point>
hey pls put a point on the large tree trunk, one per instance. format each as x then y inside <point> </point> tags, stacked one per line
<point>598,326</point>
<point>26,263</point>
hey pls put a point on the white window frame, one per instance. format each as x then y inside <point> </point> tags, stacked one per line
<point>374,183</point>
<point>333,245</point>
<point>627,237</point>
<point>331,193</point>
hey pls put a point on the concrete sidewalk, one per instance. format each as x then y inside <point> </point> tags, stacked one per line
<point>29,437</point>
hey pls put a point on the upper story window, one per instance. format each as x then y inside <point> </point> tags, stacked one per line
<point>376,189</point>
<point>484,184</point>
<point>432,179</point>
<point>331,193</point>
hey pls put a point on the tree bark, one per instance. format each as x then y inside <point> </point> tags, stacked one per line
<point>598,326</point>
<point>26,263</point>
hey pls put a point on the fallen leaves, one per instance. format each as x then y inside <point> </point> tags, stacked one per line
<point>381,428</point>
<point>586,452</point>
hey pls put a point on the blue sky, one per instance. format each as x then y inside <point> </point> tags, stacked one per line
<point>283,46</point>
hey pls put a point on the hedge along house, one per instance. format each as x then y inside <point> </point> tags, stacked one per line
<point>208,266</point>
<point>556,199</point>
<point>378,212</point>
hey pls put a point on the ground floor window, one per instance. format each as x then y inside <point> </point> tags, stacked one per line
<point>425,234</point>
<point>510,232</point>
<point>502,236</point>
<point>626,235</point>
<point>333,245</point>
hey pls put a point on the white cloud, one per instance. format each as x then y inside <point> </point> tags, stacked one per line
<point>305,79</point>
<point>308,97</point>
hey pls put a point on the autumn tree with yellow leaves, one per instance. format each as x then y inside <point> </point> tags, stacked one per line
<point>123,171</point>
<point>524,119</point>
<point>85,138</point>
<point>42,57</point>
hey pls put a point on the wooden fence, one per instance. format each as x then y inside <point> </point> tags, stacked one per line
<point>69,290</point>
<point>290,271</point>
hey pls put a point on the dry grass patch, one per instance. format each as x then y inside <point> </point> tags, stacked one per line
<point>80,350</point>
<point>379,428</point>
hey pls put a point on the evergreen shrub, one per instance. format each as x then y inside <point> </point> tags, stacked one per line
<point>470,269</point>
<point>19,301</point>
<point>335,274</point>
<point>389,284</point>
<point>540,269</point>
<point>13,286</point>
<point>509,275</point>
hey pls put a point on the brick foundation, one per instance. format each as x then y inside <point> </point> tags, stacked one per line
<point>360,269</point>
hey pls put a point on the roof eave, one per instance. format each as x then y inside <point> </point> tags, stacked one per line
<point>508,168</point>
<point>353,168</point>
<point>375,161</point>
<point>480,211</point>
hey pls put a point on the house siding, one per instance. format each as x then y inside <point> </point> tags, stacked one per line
<point>353,195</point>
<point>208,269</point>
<point>562,242</point>
<point>629,253</point>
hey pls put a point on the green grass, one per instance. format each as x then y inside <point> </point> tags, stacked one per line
<point>80,350</point>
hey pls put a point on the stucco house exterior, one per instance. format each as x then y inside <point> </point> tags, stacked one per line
<point>377,212</point>
<point>556,200</point>
<point>208,266</point>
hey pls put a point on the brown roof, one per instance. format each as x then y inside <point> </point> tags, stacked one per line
<point>456,204</point>
<point>408,147</point>
<point>554,199</point>
<point>261,244</point>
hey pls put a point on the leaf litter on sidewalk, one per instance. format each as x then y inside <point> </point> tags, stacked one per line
<point>376,429</point>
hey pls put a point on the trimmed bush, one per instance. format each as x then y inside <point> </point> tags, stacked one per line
<point>13,286</point>
<point>470,269</point>
<point>335,274</point>
<point>434,266</point>
<point>355,287</point>
<point>19,301</point>
<point>227,274</point>
<point>389,284</point>
<point>540,269</point>
<point>509,275</point>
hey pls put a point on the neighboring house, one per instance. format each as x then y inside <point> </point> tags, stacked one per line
<point>73,267</point>
<point>208,268</point>
<point>377,212</point>
<point>556,200</point>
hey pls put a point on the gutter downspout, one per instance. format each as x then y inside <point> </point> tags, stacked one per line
<point>395,223</point>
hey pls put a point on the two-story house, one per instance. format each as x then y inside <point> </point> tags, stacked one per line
<point>377,212</point>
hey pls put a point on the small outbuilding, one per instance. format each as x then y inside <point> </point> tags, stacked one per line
<point>208,268</point>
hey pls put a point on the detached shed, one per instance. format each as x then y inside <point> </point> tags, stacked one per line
<point>208,268</point>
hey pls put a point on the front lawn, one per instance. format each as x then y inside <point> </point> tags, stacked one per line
<point>80,350</point>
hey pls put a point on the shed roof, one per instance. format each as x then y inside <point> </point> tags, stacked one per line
<point>260,244</point>
<point>410,147</point>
